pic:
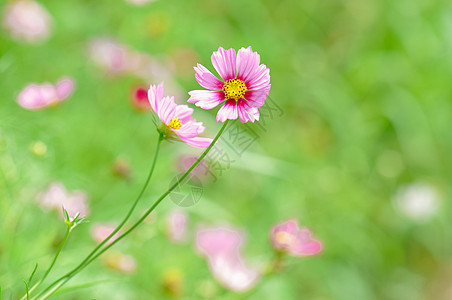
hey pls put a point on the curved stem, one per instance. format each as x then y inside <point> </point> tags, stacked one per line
<point>86,260</point>
<point>66,278</point>
<point>68,230</point>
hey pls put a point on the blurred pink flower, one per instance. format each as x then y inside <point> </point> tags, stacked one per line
<point>177,118</point>
<point>37,96</point>
<point>110,55</point>
<point>56,197</point>
<point>177,225</point>
<point>222,248</point>
<point>100,231</point>
<point>245,85</point>
<point>27,20</point>
<point>139,99</point>
<point>139,2</point>
<point>287,237</point>
<point>202,171</point>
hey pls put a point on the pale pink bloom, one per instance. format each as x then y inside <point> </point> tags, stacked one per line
<point>139,2</point>
<point>100,231</point>
<point>202,171</point>
<point>27,20</point>
<point>222,248</point>
<point>177,225</point>
<point>245,85</point>
<point>110,55</point>
<point>288,237</point>
<point>37,96</point>
<point>119,59</point>
<point>139,99</point>
<point>56,197</point>
<point>177,118</point>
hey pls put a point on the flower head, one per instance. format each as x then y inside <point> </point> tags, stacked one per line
<point>37,96</point>
<point>244,88</point>
<point>222,248</point>
<point>176,118</point>
<point>288,237</point>
<point>139,99</point>
<point>27,20</point>
<point>56,197</point>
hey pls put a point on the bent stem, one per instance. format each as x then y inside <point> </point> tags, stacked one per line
<point>123,222</point>
<point>60,282</point>
<point>26,296</point>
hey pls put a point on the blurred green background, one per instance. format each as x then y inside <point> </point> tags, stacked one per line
<point>365,90</point>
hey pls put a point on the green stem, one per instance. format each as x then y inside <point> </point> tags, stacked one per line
<point>68,230</point>
<point>86,260</point>
<point>136,224</point>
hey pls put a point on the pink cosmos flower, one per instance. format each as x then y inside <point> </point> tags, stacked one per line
<point>177,225</point>
<point>139,99</point>
<point>287,237</point>
<point>100,231</point>
<point>56,197</point>
<point>245,85</point>
<point>177,118</point>
<point>222,248</point>
<point>37,96</point>
<point>27,20</point>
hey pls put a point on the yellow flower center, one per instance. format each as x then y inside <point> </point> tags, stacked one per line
<point>285,238</point>
<point>234,89</point>
<point>175,123</point>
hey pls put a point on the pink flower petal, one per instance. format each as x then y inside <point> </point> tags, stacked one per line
<point>232,273</point>
<point>167,109</point>
<point>31,98</point>
<point>206,79</point>
<point>155,95</point>
<point>246,112</point>
<point>228,111</point>
<point>199,142</point>
<point>206,99</point>
<point>218,241</point>
<point>247,64</point>
<point>64,88</point>
<point>256,98</point>
<point>305,244</point>
<point>260,79</point>
<point>183,113</point>
<point>224,61</point>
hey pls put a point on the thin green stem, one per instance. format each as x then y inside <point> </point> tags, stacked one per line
<point>136,224</point>
<point>68,230</point>
<point>123,222</point>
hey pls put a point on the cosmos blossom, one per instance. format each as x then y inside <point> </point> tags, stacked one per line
<point>176,118</point>
<point>243,89</point>
<point>27,21</point>
<point>288,237</point>
<point>37,96</point>
<point>56,197</point>
<point>222,248</point>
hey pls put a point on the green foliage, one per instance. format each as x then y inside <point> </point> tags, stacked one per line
<point>365,90</point>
